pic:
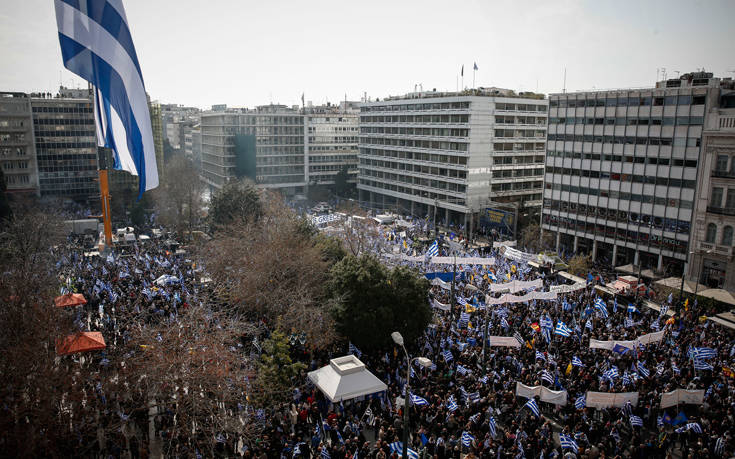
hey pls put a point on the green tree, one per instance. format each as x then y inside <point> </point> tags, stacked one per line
<point>332,249</point>
<point>371,301</point>
<point>342,187</point>
<point>276,371</point>
<point>579,265</point>
<point>235,202</point>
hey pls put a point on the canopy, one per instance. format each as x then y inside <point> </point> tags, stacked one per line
<point>719,294</point>
<point>70,299</point>
<point>346,378</point>
<point>80,342</point>
<point>675,283</point>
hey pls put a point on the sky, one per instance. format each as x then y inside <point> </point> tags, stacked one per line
<point>245,53</point>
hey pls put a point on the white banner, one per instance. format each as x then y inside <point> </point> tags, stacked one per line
<point>601,400</point>
<point>565,288</point>
<point>508,298</point>
<point>490,261</point>
<point>516,286</point>
<point>557,397</point>
<point>630,344</point>
<point>497,244</point>
<point>504,341</point>
<point>441,283</point>
<point>675,397</point>
<point>517,255</point>
<point>442,306</point>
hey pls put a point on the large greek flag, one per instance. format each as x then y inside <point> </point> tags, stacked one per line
<point>96,45</point>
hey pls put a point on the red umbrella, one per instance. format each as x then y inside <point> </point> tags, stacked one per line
<point>70,299</point>
<point>80,342</point>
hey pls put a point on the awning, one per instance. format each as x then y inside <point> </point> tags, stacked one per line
<point>718,294</point>
<point>70,299</point>
<point>80,342</point>
<point>346,378</point>
<point>675,283</point>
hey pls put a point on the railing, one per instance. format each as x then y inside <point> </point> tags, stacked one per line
<point>730,211</point>
<point>723,174</point>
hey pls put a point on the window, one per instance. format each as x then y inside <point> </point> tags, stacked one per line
<point>716,198</point>
<point>711,233</point>
<point>730,201</point>
<point>721,163</point>
<point>727,235</point>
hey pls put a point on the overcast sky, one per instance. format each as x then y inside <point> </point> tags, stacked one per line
<point>247,53</point>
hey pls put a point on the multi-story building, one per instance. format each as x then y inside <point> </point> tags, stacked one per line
<point>193,145</point>
<point>175,119</point>
<point>711,258</point>
<point>17,146</point>
<point>157,128</point>
<point>66,147</point>
<point>453,154</point>
<point>331,142</point>
<point>621,170</point>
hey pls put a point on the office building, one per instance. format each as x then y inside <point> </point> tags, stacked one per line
<point>17,146</point>
<point>331,143</point>
<point>711,258</point>
<point>456,155</point>
<point>621,171</point>
<point>66,146</point>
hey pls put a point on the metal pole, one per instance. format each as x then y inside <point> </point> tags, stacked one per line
<point>484,334</point>
<point>436,202</point>
<point>406,402</point>
<point>105,198</point>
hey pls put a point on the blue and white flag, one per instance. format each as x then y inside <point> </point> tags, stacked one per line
<point>96,44</point>
<point>493,426</point>
<point>546,376</point>
<point>636,421</point>
<point>601,307</point>
<point>452,403</point>
<point>355,351</point>
<point>581,402</point>
<point>562,329</point>
<point>567,442</point>
<point>643,371</point>
<point>702,365</point>
<point>418,401</point>
<point>433,250</point>
<point>576,362</point>
<point>632,308</point>
<point>690,426</point>
<point>533,406</point>
<point>702,353</point>
<point>540,355</point>
<point>467,439</point>
<point>447,355</point>
<point>588,324</point>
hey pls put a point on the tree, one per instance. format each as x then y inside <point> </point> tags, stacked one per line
<point>579,265</point>
<point>276,372</point>
<point>4,205</point>
<point>179,196</point>
<point>371,301</point>
<point>342,187</point>
<point>532,239</point>
<point>236,202</point>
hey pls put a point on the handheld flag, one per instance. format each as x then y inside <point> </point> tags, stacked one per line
<point>96,45</point>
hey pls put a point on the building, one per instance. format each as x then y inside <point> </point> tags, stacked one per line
<point>331,143</point>
<point>157,128</point>
<point>66,146</point>
<point>456,155</point>
<point>174,121</point>
<point>621,171</point>
<point>193,145</point>
<point>17,145</point>
<point>711,261</point>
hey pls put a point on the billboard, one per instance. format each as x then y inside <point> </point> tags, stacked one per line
<point>500,220</point>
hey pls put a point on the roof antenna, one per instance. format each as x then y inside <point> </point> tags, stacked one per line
<point>564,89</point>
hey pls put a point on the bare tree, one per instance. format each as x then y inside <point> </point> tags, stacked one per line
<point>179,197</point>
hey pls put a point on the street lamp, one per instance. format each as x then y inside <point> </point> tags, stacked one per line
<point>424,362</point>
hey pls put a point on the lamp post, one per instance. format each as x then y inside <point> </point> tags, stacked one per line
<point>424,362</point>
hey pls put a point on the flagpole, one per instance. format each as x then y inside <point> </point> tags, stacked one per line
<point>473,77</point>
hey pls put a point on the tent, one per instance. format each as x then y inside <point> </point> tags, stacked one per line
<point>80,342</point>
<point>346,378</point>
<point>70,299</point>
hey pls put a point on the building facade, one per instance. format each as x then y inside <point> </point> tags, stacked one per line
<point>621,171</point>
<point>330,143</point>
<point>453,155</point>
<point>711,257</point>
<point>66,147</point>
<point>17,145</point>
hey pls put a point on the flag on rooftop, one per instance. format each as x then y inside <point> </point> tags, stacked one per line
<point>96,45</point>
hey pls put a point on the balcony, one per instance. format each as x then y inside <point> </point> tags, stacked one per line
<point>730,211</point>
<point>723,174</point>
<point>710,248</point>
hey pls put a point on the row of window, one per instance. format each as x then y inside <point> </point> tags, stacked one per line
<point>622,158</point>
<point>620,177</point>
<point>620,234</point>
<point>81,108</point>
<point>412,191</point>
<point>523,133</point>
<point>9,165</point>
<point>15,137</point>
<point>509,173</point>
<point>332,158</point>
<point>721,163</point>
<point>12,151</point>
<point>508,119</point>
<point>41,135</point>
<point>417,168</point>
<point>332,139</point>
<point>612,100</point>
<point>434,132</point>
<point>622,216</point>
<point>415,181</point>
<point>313,148</point>
<point>43,146</point>
<point>518,160</point>
<point>12,122</point>
<point>417,119</point>
<point>626,140</point>
<point>520,107</point>
<point>63,121</point>
<point>718,193</point>
<point>526,146</point>
<point>631,121</point>
<point>416,156</point>
<point>427,144</point>
<point>710,235</point>
<point>516,186</point>
<point>684,204</point>
<point>17,179</point>
<point>410,107</point>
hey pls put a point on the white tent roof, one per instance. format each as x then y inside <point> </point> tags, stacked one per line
<point>346,378</point>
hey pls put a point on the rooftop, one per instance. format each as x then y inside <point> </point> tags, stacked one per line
<point>482,92</point>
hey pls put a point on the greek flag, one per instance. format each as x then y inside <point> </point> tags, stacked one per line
<point>601,307</point>
<point>355,351</point>
<point>626,379</point>
<point>664,309</point>
<point>690,426</point>
<point>643,371</point>
<point>581,402</point>
<point>533,406</point>
<point>611,373</point>
<point>720,447</point>
<point>636,421</point>
<point>447,355</point>
<point>461,300</point>
<point>518,338</point>
<point>701,365</point>
<point>504,323</point>
<point>474,397</point>
<point>96,45</point>
<point>433,248</point>
<point>467,439</point>
<point>452,404</point>
<point>540,355</point>
<point>461,369</point>
<point>675,368</point>
<point>567,442</point>
<point>588,324</point>
<point>418,401</point>
<point>702,353</point>
<point>577,362</point>
<point>493,426</point>
<point>632,308</point>
<point>548,377</point>
<point>324,454</point>
<point>562,329</point>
